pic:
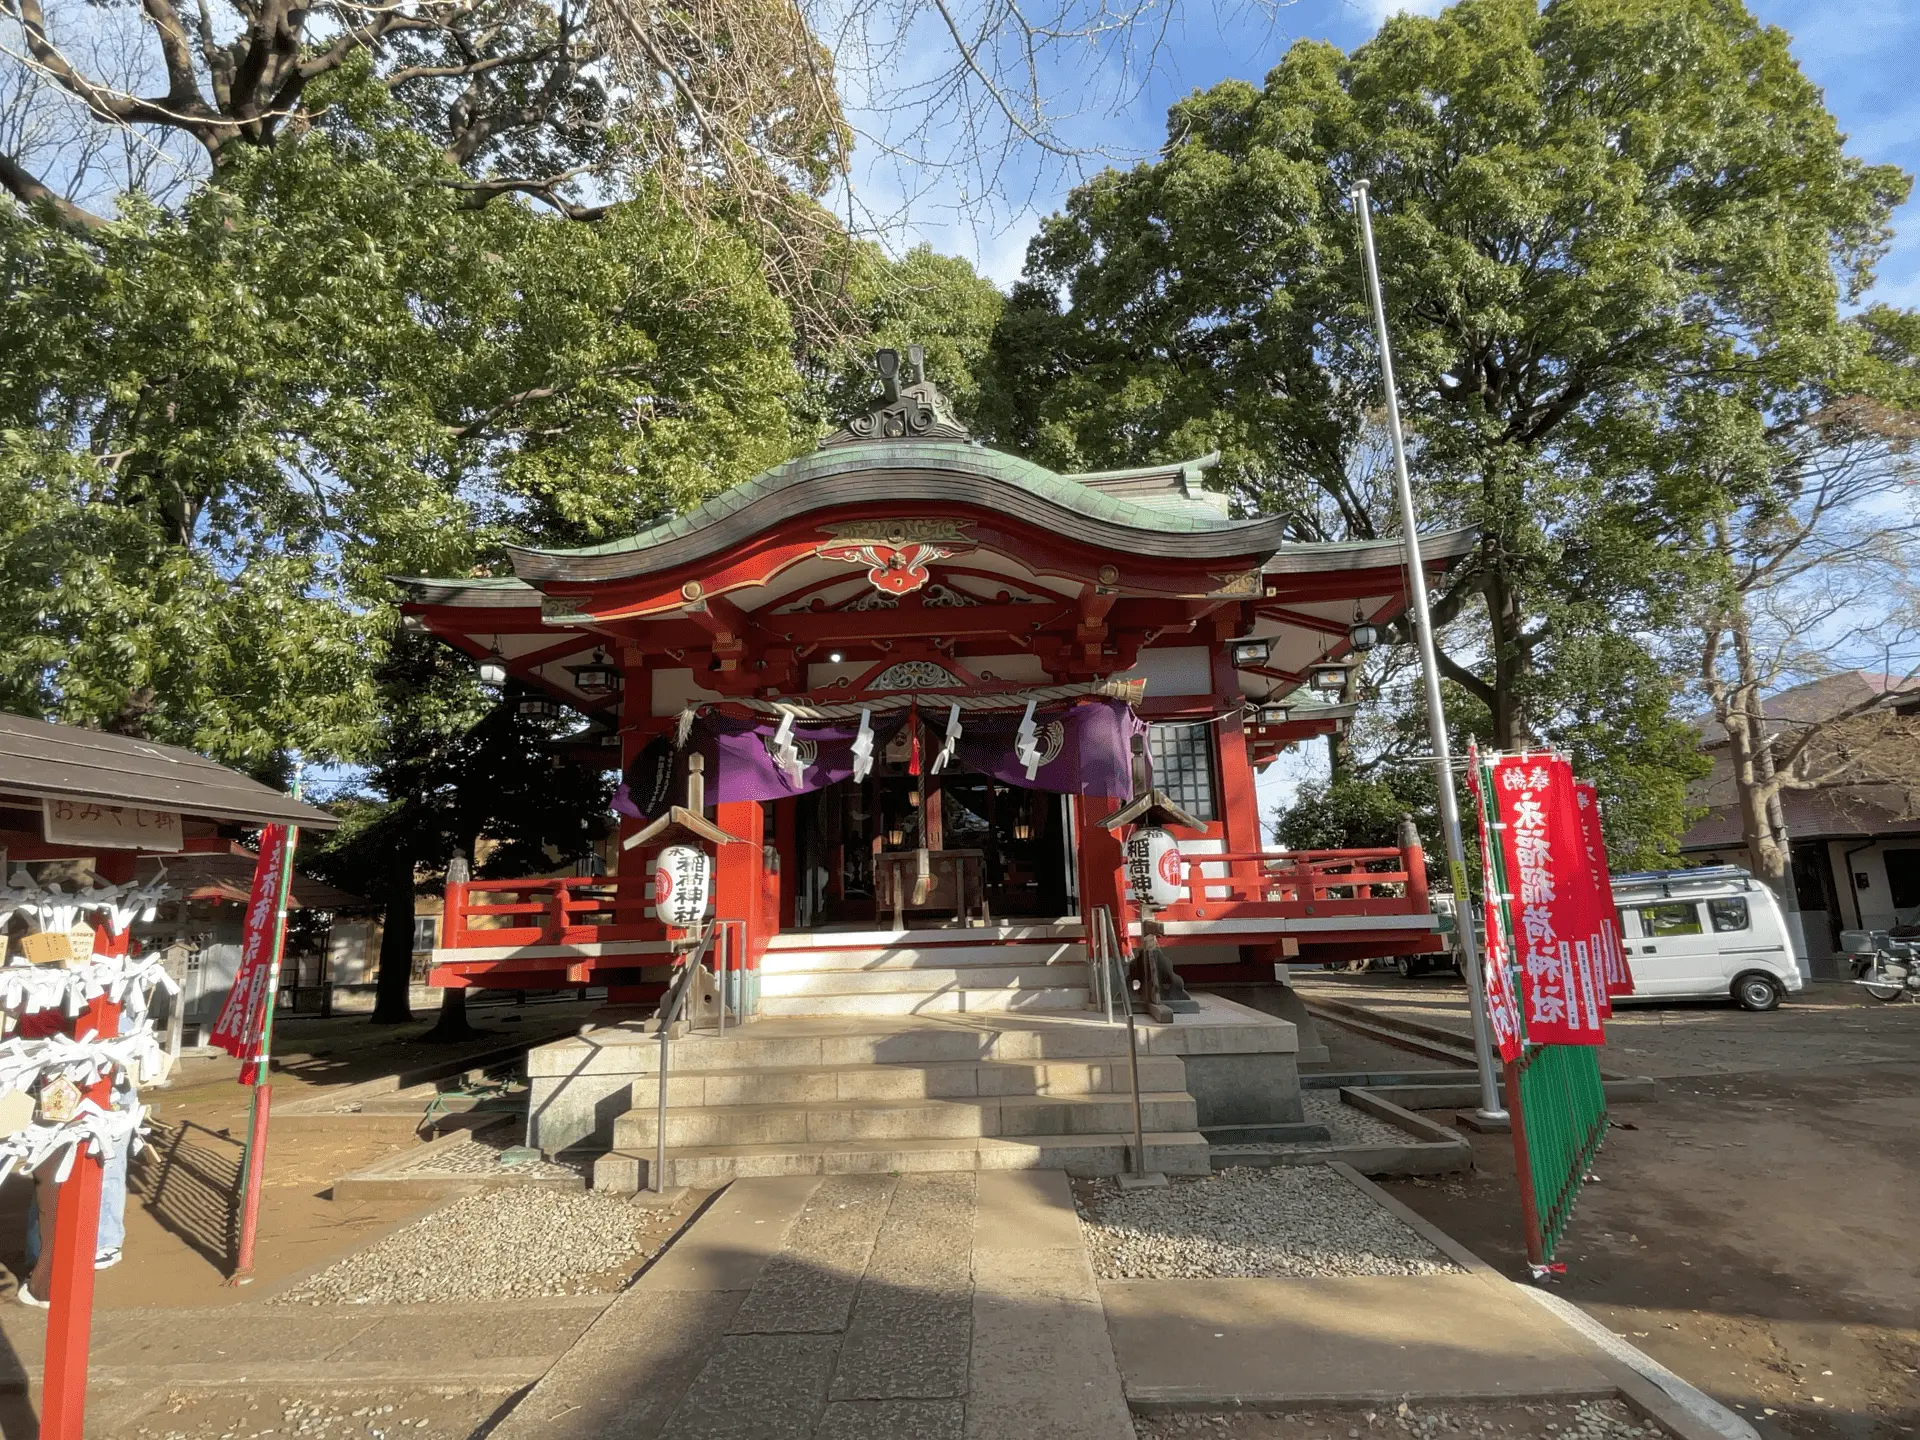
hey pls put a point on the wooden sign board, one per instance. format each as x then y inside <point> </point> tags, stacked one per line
<point>117,827</point>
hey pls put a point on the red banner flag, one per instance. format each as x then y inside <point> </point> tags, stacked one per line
<point>1503,1005</point>
<point>1555,929</point>
<point>1617,976</point>
<point>237,1031</point>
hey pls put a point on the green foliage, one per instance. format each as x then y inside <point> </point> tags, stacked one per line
<point>935,301</point>
<point>1351,813</point>
<point>1615,238</point>
<point>220,429</point>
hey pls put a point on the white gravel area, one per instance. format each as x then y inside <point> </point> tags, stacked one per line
<point>1509,1420</point>
<point>477,1157</point>
<point>1350,1124</point>
<point>503,1244</point>
<point>1346,1124</point>
<point>1300,1220</point>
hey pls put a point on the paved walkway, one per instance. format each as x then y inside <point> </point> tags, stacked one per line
<point>941,1307</point>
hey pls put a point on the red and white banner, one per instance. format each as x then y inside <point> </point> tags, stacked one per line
<point>1617,976</point>
<point>1556,923</point>
<point>237,1031</point>
<point>1496,955</point>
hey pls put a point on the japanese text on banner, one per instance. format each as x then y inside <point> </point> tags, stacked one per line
<point>237,1031</point>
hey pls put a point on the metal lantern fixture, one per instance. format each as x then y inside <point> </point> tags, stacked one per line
<point>1362,635</point>
<point>538,707</point>
<point>596,677</point>
<point>1250,650</point>
<point>1327,679</point>
<point>492,670</point>
<point>1271,713</point>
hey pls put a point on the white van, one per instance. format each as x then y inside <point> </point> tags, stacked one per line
<point>1705,933</point>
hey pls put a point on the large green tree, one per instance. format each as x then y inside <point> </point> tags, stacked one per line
<point>1616,238</point>
<point>221,428</point>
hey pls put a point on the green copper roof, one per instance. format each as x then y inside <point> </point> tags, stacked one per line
<point>923,472</point>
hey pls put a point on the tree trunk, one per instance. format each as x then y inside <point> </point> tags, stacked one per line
<point>1755,782</point>
<point>395,978</point>
<point>452,1024</point>
<point>1510,729</point>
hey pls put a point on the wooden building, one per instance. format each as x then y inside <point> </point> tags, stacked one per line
<point>914,666</point>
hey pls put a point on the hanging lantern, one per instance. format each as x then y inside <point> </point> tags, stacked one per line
<point>1362,635</point>
<point>538,707</point>
<point>596,677</point>
<point>492,670</point>
<point>1250,650</point>
<point>1272,713</point>
<point>682,881</point>
<point>1154,868</point>
<point>1327,679</point>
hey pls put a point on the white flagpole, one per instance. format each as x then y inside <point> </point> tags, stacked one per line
<point>1490,1107</point>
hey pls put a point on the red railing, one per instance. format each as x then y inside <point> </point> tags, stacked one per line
<point>570,910</point>
<point>1255,884</point>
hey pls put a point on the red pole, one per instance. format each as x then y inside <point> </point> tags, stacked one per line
<point>262,1103</point>
<point>76,1231</point>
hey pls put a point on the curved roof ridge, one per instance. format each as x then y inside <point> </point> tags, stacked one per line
<point>1113,519</point>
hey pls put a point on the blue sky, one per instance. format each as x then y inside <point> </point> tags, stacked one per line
<point>1862,53</point>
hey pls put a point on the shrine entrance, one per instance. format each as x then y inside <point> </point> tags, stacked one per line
<point>995,851</point>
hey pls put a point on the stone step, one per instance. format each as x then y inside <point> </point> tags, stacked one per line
<point>854,1040</point>
<point>999,934</point>
<point>1170,1152</point>
<point>921,980</point>
<point>929,957</point>
<point>915,1002</point>
<point>944,1080</point>
<point>844,1121</point>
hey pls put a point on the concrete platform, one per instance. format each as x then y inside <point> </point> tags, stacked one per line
<point>832,1094</point>
<point>1287,1344</point>
<point>938,1307</point>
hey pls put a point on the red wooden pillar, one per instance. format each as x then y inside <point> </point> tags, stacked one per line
<point>76,1232</point>
<point>739,886</point>
<point>1239,804</point>
<point>1100,857</point>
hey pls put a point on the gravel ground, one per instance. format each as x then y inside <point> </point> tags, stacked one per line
<point>1292,1220</point>
<point>1347,1124</point>
<point>502,1245</point>
<point>1578,1420</point>
<point>369,1415</point>
<point>478,1157</point>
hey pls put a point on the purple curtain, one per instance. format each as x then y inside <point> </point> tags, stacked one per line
<point>1086,748</point>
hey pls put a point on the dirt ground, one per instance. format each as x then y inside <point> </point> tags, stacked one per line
<point>1753,1228</point>
<point>182,1188</point>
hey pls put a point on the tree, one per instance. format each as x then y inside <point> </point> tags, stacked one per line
<point>220,429</point>
<point>1820,571</point>
<point>1615,238</point>
<point>455,765</point>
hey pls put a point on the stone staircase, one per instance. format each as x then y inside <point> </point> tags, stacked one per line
<point>962,1049</point>
<point>925,972</point>
<point>813,1096</point>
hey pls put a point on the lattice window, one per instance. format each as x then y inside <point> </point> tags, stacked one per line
<point>1183,765</point>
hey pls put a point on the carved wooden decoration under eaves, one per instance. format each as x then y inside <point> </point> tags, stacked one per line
<point>909,407</point>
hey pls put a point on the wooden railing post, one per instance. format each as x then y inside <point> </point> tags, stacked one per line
<point>556,926</point>
<point>453,916</point>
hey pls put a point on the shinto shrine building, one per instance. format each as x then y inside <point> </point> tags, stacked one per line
<point>913,668</point>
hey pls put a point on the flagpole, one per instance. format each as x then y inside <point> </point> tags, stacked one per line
<point>260,1106</point>
<point>1491,1108</point>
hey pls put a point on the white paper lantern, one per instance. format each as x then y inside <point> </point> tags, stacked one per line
<point>1154,868</point>
<point>682,881</point>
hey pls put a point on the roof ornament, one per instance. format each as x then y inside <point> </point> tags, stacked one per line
<point>910,407</point>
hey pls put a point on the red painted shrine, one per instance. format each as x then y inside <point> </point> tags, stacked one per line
<point>914,665</point>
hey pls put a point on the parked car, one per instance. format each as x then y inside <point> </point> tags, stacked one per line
<point>1706,932</point>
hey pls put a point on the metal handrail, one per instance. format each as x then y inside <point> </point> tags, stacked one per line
<point>1105,936</point>
<point>670,1006</point>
